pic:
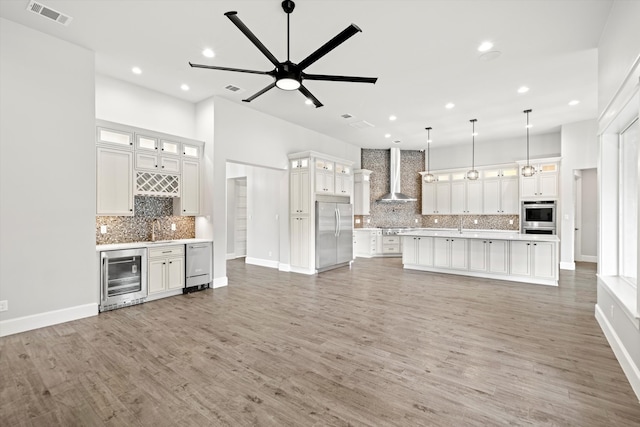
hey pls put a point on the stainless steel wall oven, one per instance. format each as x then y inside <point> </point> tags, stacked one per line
<point>538,217</point>
<point>123,278</point>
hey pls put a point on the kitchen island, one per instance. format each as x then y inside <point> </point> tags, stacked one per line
<point>528,258</point>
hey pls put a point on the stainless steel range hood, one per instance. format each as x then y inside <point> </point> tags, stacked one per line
<point>394,194</point>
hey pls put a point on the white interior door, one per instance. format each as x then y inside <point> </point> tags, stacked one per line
<point>240,228</point>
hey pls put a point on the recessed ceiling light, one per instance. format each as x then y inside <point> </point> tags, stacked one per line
<point>308,101</point>
<point>574,102</point>
<point>450,105</point>
<point>387,135</point>
<point>208,53</point>
<point>392,117</point>
<point>523,89</point>
<point>397,141</point>
<point>136,70</point>
<point>184,87</point>
<point>485,46</point>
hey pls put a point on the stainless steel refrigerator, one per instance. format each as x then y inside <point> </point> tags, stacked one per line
<point>334,235</point>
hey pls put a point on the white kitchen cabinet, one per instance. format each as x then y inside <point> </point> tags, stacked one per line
<point>299,190</point>
<point>188,204</point>
<point>543,184</point>
<point>500,193</point>
<point>362,192</point>
<point>146,143</point>
<point>450,253</point>
<point>391,245</point>
<point>300,241</point>
<point>191,150</point>
<point>466,195</point>
<point>436,196</point>
<point>344,184</point>
<point>163,164</point>
<point>417,250</point>
<point>530,258</point>
<point>366,243</point>
<point>114,182</point>
<point>114,137</point>
<point>489,256</point>
<point>324,176</point>
<point>166,269</point>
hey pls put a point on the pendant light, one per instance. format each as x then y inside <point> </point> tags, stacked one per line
<point>428,177</point>
<point>528,170</point>
<point>473,174</point>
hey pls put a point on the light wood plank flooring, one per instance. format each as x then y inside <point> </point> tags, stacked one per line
<point>374,345</point>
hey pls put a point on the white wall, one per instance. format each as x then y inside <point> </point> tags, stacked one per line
<point>244,135</point>
<point>618,48</point>
<point>47,180</point>
<point>579,150</point>
<point>493,152</point>
<point>589,211</point>
<point>129,104</point>
<point>616,310</point>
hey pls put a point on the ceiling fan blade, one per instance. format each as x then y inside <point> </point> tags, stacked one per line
<point>233,16</point>
<point>339,78</point>
<point>239,70</point>
<point>348,32</point>
<point>310,96</point>
<point>257,94</point>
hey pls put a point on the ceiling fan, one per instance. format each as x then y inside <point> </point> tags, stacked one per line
<point>289,75</point>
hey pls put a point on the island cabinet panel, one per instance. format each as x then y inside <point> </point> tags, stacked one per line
<point>498,255</point>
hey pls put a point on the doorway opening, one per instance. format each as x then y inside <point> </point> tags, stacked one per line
<point>585,248</point>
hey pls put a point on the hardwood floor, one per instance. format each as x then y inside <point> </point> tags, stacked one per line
<point>374,345</point>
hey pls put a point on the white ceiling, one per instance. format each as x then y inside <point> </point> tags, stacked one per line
<point>423,52</point>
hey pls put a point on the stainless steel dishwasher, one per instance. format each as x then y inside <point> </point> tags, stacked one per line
<point>199,271</point>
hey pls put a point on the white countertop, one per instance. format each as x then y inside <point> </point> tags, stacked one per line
<point>471,234</point>
<point>118,246</point>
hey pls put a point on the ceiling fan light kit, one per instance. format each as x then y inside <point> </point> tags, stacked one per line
<point>528,170</point>
<point>289,75</point>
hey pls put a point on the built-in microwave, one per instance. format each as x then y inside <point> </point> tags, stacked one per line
<point>538,217</point>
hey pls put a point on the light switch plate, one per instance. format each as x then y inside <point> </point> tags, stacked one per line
<point>103,229</point>
<point>173,227</point>
<point>4,305</point>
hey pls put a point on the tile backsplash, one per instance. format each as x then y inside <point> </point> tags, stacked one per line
<point>137,228</point>
<point>410,214</point>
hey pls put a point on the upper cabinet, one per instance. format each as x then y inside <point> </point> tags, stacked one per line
<point>325,176</point>
<point>500,190</point>
<point>436,196</point>
<point>343,180</point>
<point>544,183</point>
<point>150,163</point>
<point>362,192</point>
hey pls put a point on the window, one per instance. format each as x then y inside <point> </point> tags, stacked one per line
<point>628,216</point>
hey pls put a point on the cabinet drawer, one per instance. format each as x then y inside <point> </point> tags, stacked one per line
<point>391,249</point>
<point>164,251</point>
<point>390,239</point>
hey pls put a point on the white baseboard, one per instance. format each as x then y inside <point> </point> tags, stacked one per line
<point>220,282</point>
<point>587,258</point>
<point>631,370</point>
<point>231,256</point>
<point>567,265</point>
<point>284,267</point>
<point>261,262</point>
<point>49,318</point>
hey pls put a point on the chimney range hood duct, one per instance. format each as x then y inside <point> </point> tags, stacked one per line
<point>394,194</point>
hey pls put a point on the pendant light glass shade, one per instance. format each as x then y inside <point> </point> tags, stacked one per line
<point>428,177</point>
<point>473,174</point>
<point>528,170</point>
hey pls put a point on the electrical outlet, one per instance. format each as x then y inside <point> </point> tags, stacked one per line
<point>4,305</point>
<point>269,253</point>
<point>510,222</point>
<point>103,229</point>
<point>435,221</point>
<point>173,227</point>
<point>475,221</point>
<point>415,220</point>
<point>368,220</point>
<point>357,220</point>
